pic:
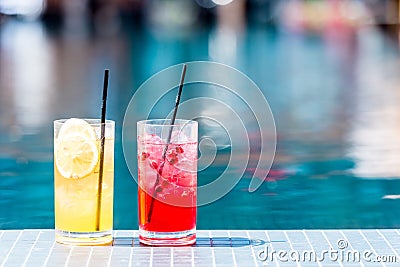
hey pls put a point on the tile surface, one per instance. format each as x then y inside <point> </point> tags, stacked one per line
<point>213,248</point>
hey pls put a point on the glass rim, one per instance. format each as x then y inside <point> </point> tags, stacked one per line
<point>162,122</point>
<point>90,121</point>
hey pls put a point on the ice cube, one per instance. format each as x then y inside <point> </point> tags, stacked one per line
<point>153,147</point>
<point>152,139</point>
<point>179,137</point>
<point>189,151</point>
<point>186,165</point>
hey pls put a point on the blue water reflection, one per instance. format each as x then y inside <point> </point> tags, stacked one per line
<point>335,103</point>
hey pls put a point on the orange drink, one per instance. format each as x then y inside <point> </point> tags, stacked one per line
<point>83,213</point>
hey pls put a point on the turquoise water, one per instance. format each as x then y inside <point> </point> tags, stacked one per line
<point>335,103</point>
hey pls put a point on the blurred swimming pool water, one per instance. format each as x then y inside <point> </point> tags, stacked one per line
<point>335,106</point>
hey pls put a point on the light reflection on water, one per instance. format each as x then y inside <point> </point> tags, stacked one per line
<point>335,106</point>
<point>375,125</point>
<point>29,72</point>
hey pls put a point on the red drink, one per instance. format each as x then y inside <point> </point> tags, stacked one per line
<point>167,190</point>
<point>161,221</point>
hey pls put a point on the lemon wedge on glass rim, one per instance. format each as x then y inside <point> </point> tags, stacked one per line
<point>75,150</point>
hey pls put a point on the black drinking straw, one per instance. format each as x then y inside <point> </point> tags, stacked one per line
<point>178,98</point>
<point>102,138</point>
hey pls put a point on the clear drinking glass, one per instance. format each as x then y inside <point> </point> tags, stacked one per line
<point>83,208</point>
<point>167,168</point>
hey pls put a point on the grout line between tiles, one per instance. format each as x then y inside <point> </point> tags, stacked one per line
<point>172,257</point>
<point>192,252</point>
<point>369,244</point>
<point>390,245</point>
<point>251,247</point>
<point>12,248</point>
<point>48,255</point>
<point>130,257</point>
<point>69,256</point>
<point>232,251</point>
<point>330,244</point>
<point>349,244</point>
<point>309,243</point>
<point>272,247</point>
<point>151,257</point>
<point>89,257</point>
<point>31,249</point>
<point>212,249</point>
<point>290,244</point>
<point>109,257</point>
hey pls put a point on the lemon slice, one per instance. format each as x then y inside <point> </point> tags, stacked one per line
<point>74,125</point>
<point>76,153</point>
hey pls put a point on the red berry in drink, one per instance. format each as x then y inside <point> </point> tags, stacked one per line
<point>173,160</point>
<point>159,189</point>
<point>144,155</point>
<point>164,183</point>
<point>154,165</point>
